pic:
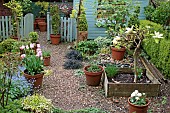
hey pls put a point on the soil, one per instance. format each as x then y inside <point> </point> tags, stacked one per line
<point>68,91</point>
<point>128,78</point>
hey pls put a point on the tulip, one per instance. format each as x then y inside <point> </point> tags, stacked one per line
<point>23,56</point>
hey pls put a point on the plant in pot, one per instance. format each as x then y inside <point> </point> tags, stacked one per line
<point>138,103</point>
<point>34,39</point>
<point>37,104</point>
<point>118,47</point>
<point>55,37</point>
<point>17,9</point>
<point>41,20</point>
<point>33,68</point>
<point>93,74</point>
<point>46,57</point>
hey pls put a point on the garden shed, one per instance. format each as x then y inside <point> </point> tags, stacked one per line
<point>91,8</point>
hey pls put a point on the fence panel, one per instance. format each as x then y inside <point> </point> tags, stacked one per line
<point>25,26</point>
<point>66,30</point>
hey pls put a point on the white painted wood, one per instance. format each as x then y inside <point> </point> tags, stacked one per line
<point>28,24</point>
<point>48,25</point>
<point>6,26</point>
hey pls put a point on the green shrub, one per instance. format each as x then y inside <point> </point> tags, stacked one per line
<point>7,45</point>
<point>87,47</point>
<point>159,54</point>
<point>13,107</point>
<point>111,70</point>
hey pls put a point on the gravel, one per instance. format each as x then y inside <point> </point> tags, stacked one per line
<point>69,92</point>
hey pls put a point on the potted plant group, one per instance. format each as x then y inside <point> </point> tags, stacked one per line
<point>138,103</point>
<point>93,74</point>
<point>41,20</point>
<point>55,37</point>
<point>46,57</point>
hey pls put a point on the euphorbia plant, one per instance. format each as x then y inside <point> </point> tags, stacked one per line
<point>17,9</point>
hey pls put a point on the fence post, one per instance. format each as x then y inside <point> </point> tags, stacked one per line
<point>48,26</point>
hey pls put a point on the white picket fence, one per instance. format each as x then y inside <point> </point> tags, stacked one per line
<point>67,30</point>
<point>25,27</point>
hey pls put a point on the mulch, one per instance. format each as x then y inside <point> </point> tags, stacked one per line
<point>69,92</point>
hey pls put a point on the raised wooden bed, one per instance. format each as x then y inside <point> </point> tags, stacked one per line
<point>125,89</point>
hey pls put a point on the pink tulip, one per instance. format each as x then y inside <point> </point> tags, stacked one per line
<point>38,49</point>
<point>22,47</point>
<point>32,45</point>
<point>38,46</point>
<point>39,54</point>
<point>23,56</point>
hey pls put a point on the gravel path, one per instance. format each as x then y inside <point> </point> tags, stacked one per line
<point>70,92</point>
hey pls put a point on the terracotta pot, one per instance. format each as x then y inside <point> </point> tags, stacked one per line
<point>36,80</point>
<point>14,37</point>
<point>47,61</point>
<point>42,26</point>
<point>118,54</point>
<point>93,78</point>
<point>37,20</point>
<point>55,39</point>
<point>35,25</point>
<point>83,35</point>
<point>138,109</point>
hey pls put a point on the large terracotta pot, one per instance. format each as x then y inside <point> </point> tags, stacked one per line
<point>118,54</point>
<point>138,109</point>
<point>55,39</point>
<point>93,78</point>
<point>47,61</point>
<point>42,26</point>
<point>36,80</point>
<point>83,35</point>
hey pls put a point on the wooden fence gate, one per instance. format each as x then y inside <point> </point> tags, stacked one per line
<point>25,27</point>
<point>67,30</point>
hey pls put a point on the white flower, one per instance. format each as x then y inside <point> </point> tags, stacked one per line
<point>143,93</point>
<point>137,98</point>
<point>27,47</point>
<point>117,38</point>
<point>139,94</point>
<point>41,58</point>
<point>129,30</point>
<point>134,93</point>
<point>157,35</point>
<point>148,27</point>
<point>114,42</point>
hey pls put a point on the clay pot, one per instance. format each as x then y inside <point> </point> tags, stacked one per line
<point>93,78</point>
<point>47,61</point>
<point>118,54</point>
<point>36,80</point>
<point>37,20</point>
<point>55,39</point>
<point>14,37</point>
<point>83,35</point>
<point>42,26</point>
<point>138,109</point>
<point>35,25</point>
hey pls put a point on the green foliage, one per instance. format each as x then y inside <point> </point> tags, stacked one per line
<point>46,53</point>
<point>111,70</point>
<point>78,72</point>
<point>159,54</point>
<point>82,26</point>
<point>33,37</point>
<point>44,7</point>
<point>7,45</point>
<point>33,64</point>
<point>103,41</point>
<point>26,6</point>
<point>54,11</point>
<point>134,20</point>
<point>87,47</point>
<point>160,14</point>
<point>13,107</point>
<point>37,103</point>
<point>94,68</point>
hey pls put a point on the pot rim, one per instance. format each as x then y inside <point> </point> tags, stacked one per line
<point>148,102</point>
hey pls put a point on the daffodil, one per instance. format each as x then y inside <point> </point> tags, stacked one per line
<point>157,36</point>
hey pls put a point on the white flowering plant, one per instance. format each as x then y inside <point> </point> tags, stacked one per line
<point>118,42</point>
<point>138,98</point>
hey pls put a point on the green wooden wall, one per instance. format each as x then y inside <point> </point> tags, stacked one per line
<point>90,5</point>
